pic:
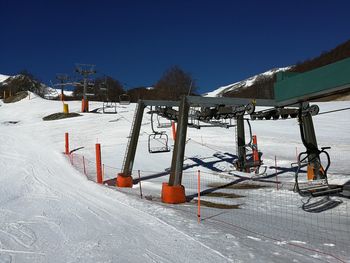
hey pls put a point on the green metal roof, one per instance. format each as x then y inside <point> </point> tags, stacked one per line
<point>292,87</point>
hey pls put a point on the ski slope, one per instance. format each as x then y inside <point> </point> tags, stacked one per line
<point>49,212</point>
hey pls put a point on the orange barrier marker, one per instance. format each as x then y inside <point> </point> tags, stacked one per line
<point>98,163</point>
<point>173,129</point>
<point>173,194</point>
<point>199,196</point>
<point>84,105</point>
<point>124,181</point>
<point>255,150</point>
<point>66,137</point>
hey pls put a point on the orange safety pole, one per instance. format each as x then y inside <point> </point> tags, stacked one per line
<point>66,137</point>
<point>255,150</point>
<point>98,163</point>
<point>199,196</point>
<point>173,128</point>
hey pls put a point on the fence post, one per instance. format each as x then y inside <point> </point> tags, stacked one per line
<point>98,163</point>
<point>66,137</point>
<point>84,165</point>
<point>140,183</point>
<point>173,129</point>
<point>276,172</point>
<point>199,196</point>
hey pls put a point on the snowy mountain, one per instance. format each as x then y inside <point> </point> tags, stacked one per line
<point>50,93</point>
<point>242,84</point>
<point>3,78</point>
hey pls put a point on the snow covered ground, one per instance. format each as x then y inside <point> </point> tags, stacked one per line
<point>50,212</point>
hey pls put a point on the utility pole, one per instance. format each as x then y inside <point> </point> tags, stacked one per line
<point>62,79</point>
<point>85,70</point>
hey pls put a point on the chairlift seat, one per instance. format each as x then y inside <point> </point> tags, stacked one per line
<point>162,146</point>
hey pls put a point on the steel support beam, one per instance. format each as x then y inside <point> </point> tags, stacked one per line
<point>133,140</point>
<point>216,101</point>
<point>311,144</point>
<point>180,142</point>
<point>241,143</point>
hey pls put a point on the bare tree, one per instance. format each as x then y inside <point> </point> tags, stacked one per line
<point>174,83</point>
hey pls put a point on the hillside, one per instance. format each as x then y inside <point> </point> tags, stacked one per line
<point>17,83</point>
<point>261,86</point>
<point>244,85</point>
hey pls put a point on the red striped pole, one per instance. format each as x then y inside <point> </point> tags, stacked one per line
<point>98,163</point>
<point>173,129</point>
<point>255,150</point>
<point>66,138</point>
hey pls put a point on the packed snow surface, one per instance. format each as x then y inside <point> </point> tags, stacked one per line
<point>50,212</point>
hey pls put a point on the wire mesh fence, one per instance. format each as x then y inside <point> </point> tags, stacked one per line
<point>264,206</point>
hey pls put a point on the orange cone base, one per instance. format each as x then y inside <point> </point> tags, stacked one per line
<point>173,194</point>
<point>124,181</point>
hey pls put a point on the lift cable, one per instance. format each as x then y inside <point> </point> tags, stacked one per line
<point>334,111</point>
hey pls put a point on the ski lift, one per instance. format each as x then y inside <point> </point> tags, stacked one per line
<point>124,99</point>
<point>316,187</point>
<point>250,164</point>
<point>109,107</point>
<point>163,123</point>
<point>158,141</point>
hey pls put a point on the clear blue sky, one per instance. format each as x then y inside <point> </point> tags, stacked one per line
<point>218,42</point>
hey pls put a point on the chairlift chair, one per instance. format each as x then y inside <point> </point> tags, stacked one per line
<point>109,107</point>
<point>158,141</point>
<point>316,187</point>
<point>124,99</point>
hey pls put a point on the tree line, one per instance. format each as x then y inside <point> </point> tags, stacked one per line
<point>174,83</point>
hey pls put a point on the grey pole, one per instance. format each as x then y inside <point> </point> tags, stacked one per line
<point>133,140</point>
<point>180,142</point>
<point>311,142</point>
<point>241,143</point>
<point>85,87</point>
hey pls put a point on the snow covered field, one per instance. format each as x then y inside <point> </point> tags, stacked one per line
<point>50,212</point>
